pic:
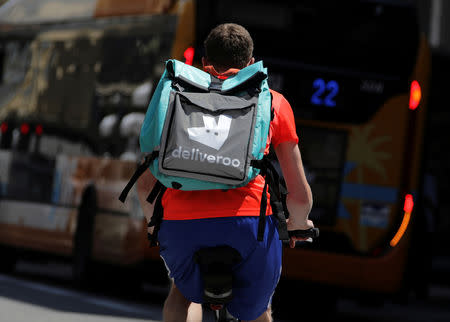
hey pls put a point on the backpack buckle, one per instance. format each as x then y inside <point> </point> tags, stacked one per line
<point>215,85</point>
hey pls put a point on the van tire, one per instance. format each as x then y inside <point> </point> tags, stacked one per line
<point>82,266</point>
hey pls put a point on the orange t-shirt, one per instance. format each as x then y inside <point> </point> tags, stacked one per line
<point>243,201</point>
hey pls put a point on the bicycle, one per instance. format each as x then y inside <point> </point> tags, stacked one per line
<point>216,264</point>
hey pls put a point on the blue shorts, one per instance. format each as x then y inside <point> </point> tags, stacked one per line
<point>256,276</point>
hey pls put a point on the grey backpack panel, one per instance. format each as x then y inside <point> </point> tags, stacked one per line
<point>203,137</point>
<point>217,102</point>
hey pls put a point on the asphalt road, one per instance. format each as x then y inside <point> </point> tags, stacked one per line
<point>44,293</point>
<point>23,300</point>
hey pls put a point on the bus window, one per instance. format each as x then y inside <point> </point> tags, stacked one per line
<point>15,55</point>
<point>33,175</point>
<point>53,145</point>
<point>15,61</point>
<point>324,162</point>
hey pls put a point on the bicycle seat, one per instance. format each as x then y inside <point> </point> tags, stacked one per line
<point>216,265</point>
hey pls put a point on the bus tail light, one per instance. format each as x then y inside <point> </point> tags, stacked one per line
<point>39,130</point>
<point>409,203</point>
<point>415,95</point>
<point>189,55</point>
<point>5,135</point>
<point>4,127</point>
<point>24,129</point>
<point>407,208</point>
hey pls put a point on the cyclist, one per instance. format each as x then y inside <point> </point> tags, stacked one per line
<point>198,219</point>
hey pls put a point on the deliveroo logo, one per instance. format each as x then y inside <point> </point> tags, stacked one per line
<point>212,134</point>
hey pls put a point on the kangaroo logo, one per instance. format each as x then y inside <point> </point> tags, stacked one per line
<point>212,134</point>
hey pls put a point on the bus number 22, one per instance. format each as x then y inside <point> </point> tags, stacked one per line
<point>321,87</point>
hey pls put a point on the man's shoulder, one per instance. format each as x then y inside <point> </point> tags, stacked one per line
<point>275,93</point>
<point>278,98</point>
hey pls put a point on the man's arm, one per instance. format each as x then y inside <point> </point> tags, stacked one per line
<point>145,184</point>
<point>299,199</point>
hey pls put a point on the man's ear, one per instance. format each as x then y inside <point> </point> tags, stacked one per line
<point>252,61</point>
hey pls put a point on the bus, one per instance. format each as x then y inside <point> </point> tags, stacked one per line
<point>357,76</point>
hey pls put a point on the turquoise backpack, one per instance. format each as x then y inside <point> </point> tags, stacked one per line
<point>201,132</point>
<point>184,89</point>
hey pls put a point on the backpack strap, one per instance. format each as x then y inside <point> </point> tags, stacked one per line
<point>276,190</point>
<point>139,171</point>
<point>272,109</point>
<point>262,213</point>
<point>278,203</point>
<point>157,217</point>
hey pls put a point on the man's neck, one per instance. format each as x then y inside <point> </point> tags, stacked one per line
<point>222,73</point>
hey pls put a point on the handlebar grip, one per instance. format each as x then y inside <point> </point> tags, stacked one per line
<point>308,233</point>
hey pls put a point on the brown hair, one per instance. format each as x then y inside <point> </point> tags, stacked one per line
<point>229,45</point>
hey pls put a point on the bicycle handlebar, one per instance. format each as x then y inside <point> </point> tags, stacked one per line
<point>307,233</point>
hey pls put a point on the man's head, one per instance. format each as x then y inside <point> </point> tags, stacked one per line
<point>227,46</point>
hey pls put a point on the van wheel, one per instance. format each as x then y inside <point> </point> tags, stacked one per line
<point>83,239</point>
